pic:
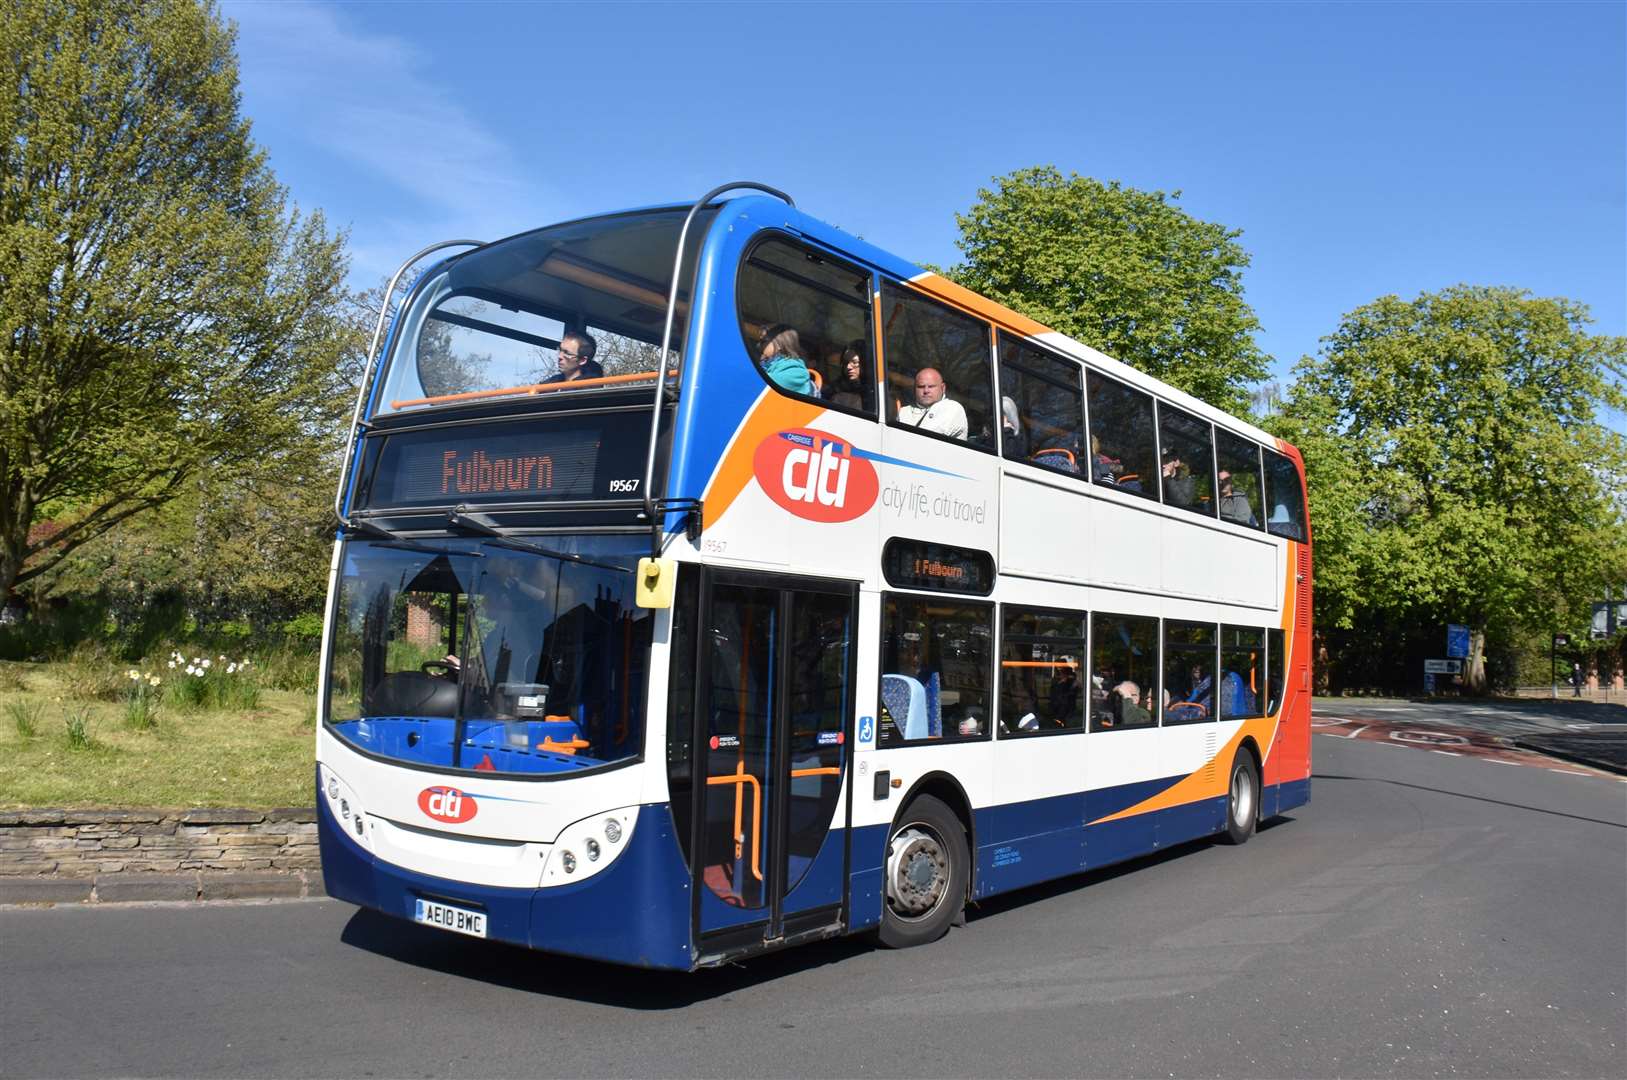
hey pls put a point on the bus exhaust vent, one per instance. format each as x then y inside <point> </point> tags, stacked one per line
<point>1209,755</point>
<point>1302,591</point>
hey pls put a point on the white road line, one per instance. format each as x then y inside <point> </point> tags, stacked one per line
<point>1500,761</point>
<point>1568,772</point>
<point>1353,734</point>
<point>1448,753</point>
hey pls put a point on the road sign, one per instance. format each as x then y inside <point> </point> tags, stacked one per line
<point>1429,683</point>
<point>1457,641</point>
<point>1443,667</point>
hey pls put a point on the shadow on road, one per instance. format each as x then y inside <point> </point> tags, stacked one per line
<point>593,981</point>
<point>590,981</point>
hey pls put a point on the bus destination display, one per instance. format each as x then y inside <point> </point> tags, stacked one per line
<point>916,564</point>
<point>592,457</point>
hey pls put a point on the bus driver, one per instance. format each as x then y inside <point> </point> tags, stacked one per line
<point>933,411</point>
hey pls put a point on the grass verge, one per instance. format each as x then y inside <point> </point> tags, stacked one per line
<point>68,741</point>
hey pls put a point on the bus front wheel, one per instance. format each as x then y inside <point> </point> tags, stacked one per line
<point>928,866</point>
<point>1242,799</point>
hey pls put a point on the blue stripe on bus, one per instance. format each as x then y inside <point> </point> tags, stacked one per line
<point>636,911</point>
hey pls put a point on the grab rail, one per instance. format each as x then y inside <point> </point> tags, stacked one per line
<point>367,371</point>
<point>666,345</point>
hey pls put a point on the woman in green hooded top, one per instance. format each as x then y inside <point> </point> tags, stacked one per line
<point>781,359</point>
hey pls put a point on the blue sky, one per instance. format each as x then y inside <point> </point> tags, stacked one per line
<point>1362,149</point>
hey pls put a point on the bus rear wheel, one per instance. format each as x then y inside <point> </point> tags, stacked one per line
<point>927,867</point>
<point>1242,799</point>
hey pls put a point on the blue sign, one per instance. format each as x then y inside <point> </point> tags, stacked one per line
<point>867,730</point>
<point>1457,641</point>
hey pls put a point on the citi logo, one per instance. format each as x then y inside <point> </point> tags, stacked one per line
<point>447,804</point>
<point>815,476</point>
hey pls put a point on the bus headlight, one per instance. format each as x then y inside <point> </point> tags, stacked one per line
<point>344,805</point>
<point>586,847</point>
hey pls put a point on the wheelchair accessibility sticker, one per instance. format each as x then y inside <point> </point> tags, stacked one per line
<point>867,730</point>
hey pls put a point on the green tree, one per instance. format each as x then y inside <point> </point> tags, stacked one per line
<point>163,310</point>
<point>1124,271</point>
<point>1458,467</point>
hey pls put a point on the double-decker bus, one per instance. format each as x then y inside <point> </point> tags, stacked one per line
<point>710,581</point>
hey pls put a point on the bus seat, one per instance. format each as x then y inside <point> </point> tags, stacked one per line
<point>1056,458</point>
<point>818,382</point>
<point>905,700</point>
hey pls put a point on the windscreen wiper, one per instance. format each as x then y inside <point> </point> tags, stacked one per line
<point>459,520</point>
<point>386,538</point>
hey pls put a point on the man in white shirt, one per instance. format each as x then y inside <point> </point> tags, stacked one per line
<point>933,411</point>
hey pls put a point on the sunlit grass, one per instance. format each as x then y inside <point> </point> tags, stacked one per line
<point>240,748</point>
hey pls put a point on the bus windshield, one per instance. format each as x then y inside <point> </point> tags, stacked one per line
<point>492,323</point>
<point>468,653</point>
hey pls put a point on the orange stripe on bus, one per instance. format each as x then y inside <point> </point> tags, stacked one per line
<point>963,297</point>
<point>771,413</point>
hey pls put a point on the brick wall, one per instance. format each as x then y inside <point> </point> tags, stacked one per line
<point>95,854</point>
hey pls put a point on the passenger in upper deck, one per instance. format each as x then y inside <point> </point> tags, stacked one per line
<point>934,410</point>
<point>576,350</point>
<point>780,356</point>
<point>849,390</point>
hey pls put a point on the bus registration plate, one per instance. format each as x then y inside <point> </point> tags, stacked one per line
<point>459,920</point>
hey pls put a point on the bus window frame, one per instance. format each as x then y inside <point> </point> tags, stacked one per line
<point>1002,334</point>
<point>992,674</point>
<point>993,384</point>
<point>1152,485</point>
<point>1083,669</point>
<point>768,236</point>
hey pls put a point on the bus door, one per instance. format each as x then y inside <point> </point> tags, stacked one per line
<point>774,694</point>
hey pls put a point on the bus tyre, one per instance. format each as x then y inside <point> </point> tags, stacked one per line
<point>927,868</point>
<point>1242,799</point>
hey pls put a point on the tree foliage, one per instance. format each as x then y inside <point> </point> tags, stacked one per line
<point>163,311</point>
<point>1124,271</point>
<point>1458,467</point>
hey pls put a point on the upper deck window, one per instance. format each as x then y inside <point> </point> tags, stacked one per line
<point>1238,479</point>
<point>571,306</point>
<point>806,319</point>
<point>1042,411</point>
<point>1188,460</point>
<point>1284,497</point>
<point>937,368</point>
<point>1122,451</point>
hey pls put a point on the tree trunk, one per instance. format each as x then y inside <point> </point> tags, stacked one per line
<point>1474,668</point>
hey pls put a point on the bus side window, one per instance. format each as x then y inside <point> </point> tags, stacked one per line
<point>936,657</point>
<point>1276,664</point>
<point>1189,672</point>
<point>921,334</point>
<point>1123,672</point>
<point>1188,469</point>
<point>1242,672</point>
<point>1286,516</point>
<point>1238,474</point>
<point>825,304</point>
<point>1041,665</point>
<point>1043,392</point>
<point>1122,452</point>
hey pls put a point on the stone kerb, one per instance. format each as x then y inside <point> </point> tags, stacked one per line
<point>108,856</point>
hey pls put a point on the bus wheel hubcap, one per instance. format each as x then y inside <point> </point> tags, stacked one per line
<point>1242,798</point>
<point>917,872</point>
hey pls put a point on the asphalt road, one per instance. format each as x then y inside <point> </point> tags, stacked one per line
<point>1425,915</point>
